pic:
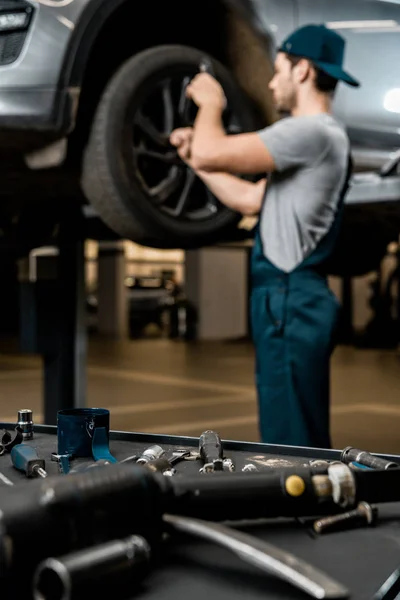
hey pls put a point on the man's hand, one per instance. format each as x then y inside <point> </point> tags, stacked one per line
<point>182,139</point>
<point>205,90</point>
<point>239,195</point>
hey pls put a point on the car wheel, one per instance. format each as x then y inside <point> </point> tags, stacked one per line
<point>132,175</point>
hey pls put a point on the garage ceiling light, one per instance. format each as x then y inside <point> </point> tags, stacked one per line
<point>391,101</point>
<point>388,24</point>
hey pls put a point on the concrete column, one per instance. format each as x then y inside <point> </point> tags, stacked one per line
<point>112,296</point>
<point>216,283</point>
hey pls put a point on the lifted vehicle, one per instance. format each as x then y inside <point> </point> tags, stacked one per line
<point>91,89</point>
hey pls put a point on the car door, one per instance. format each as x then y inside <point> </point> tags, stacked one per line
<point>372,31</point>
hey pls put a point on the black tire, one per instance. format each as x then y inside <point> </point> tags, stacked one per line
<point>108,179</point>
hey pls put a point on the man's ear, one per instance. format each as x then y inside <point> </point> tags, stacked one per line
<point>302,70</point>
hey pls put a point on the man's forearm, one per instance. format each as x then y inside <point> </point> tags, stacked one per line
<point>207,131</point>
<point>241,196</point>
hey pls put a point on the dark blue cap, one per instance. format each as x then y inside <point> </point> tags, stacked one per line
<point>323,46</point>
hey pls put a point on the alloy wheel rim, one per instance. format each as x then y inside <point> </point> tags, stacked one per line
<point>171,186</point>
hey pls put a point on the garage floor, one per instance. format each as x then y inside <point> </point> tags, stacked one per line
<point>171,387</point>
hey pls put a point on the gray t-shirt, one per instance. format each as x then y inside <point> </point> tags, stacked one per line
<point>311,157</point>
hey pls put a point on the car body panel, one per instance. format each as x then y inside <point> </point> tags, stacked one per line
<point>371,28</point>
<point>372,33</point>
<point>40,89</point>
<point>29,94</point>
<point>35,92</point>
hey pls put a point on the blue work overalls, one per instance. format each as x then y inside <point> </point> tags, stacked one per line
<point>294,317</point>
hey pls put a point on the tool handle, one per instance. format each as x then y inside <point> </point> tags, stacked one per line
<point>74,512</point>
<point>9,442</point>
<point>77,511</point>
<point>24,458</point>
<point>210,447</point>
<point>235,496</point>
<point>206,66</point>
<point>100,569</point>
<point>366,459</point>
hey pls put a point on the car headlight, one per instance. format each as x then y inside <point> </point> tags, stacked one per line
<point>10,21</point>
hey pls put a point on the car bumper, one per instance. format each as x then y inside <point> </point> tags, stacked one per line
<point>37,109</point>
<point>30,98</point>
<point>31,118</point>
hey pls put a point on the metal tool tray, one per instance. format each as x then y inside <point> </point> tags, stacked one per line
<point>361,559</point>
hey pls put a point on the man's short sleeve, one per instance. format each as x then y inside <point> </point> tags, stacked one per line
<point>295,141</point>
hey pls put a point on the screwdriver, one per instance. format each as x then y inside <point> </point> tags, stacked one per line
<point>25,458</point>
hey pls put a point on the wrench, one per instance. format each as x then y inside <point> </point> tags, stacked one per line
<point>63,461</point>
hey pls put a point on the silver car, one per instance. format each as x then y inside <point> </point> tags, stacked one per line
<point>91,89</point>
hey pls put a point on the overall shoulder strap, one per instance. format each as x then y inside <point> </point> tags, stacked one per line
<point>349,172</point>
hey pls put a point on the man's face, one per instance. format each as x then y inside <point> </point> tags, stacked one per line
<point>283,85</point>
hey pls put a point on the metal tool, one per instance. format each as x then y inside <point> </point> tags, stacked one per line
<point>84,433</point>
<point>161,465</point>
<point>390,590</point>
<point>8,441</point>
<point>178,455</point>
<point>186,107</point>
<point>206,66</point>
<point>265,556</point>
<point>362,457</point>
<point>130,459</point>
<point>6,437</point>
<point>211,452</point>
<point>364,514</point>
<point>25,458</point>
<point>100,445</point>
<point>181,454</point>
<point>105,496</point>
<point>151,453</point>
<point>63,462</point>
<point>25,423</point>
<point>101,569</point>
<point>228,465</point>
<point>5,479</point>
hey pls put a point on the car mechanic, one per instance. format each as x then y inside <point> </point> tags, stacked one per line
<point>306,156</point>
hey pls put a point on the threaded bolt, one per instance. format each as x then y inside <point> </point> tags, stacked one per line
<point>364,514</point>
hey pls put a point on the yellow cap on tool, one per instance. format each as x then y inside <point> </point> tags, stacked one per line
<point>295,485</point>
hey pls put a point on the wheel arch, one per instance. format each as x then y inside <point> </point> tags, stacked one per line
<point>240,44</point>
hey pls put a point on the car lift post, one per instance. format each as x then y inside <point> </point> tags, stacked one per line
<point>53,319</point>
<point>397,295</point>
